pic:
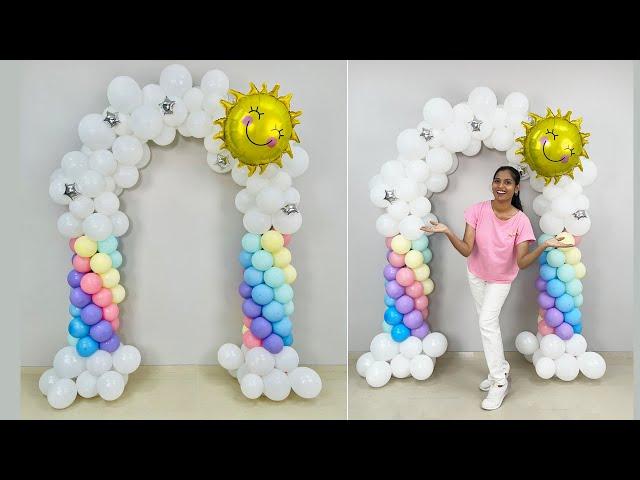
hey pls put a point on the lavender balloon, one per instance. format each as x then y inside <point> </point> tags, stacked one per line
<point>394,289</point>
<point>541,285</point>
<point>273,343</point>
<point>78,298</point>
<point>101,331</point>
<point>413,319</point>
<point>91,314</point>
<point>111,345</point>
<point>73,278</point>
<point>422,331</point>
<point>564,331</point>
<point>390,272</point>
<point>251,309</point>
<point>261,327</point>
<point>553,317</point>
<point>405,304</point>
<point>244,290</point>
<point>545,300</point>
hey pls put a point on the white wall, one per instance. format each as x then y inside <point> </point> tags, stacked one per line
<point>387,97</point>
<point>181,270</point>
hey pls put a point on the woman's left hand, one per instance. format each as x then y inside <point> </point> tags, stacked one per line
<point>557,243</point>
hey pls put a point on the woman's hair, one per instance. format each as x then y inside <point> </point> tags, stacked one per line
<point>515,174</point>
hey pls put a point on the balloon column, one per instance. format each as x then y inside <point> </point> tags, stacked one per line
<point>90,181</point>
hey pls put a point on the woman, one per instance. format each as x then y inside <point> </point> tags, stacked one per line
<point>496,241</point>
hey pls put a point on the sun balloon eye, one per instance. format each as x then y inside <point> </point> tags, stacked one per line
<point>552,133</point>
<point>571,150</point>
<point>279,130</point>
<point>256,110</point>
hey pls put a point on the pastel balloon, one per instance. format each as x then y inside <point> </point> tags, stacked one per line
<point>272,241</point>
<point>555,258</point>
<point>387,242</point>
<point>421,332</point>
<point>425,313</point>
<point>74,277</point>
<point>427,255</point>
<point>555,287</point>
<point>250,340</point>
<point>77,328</point>
<point>545,300</point>
<point>392,316</point>
<point>388,301</point>
<point>110,345</point>
<point>394,289</point>
<point>290,274</point>
<point>564,331</point>
<point>544,329</point>
<point>274,277</point>
<point>413,319</point>
<point>573,317</point>
<point>541,285</point>
<point>574,287</point>
<point>72,242</point>
<point>246,321</point>
<point>547,272</point>
<point>262,260</point>
<point>282,258</point>
<point>287,238</point>
<point>404,304</point>
<point>428,286</point>
<point>91,314</point>
<point>101,331</point>
<point>405,276</point>
<point>273,311</point>
<point>396,260</point>
<point>421,302</point>
<point>108,245</point>
<point>261,327</point>
<point>244,290</point>
<point>273,343</point>
<point>390,272</point>
<point>251,309</point>
<point>565,303</point>
<point>421,243</point>
<point>553,317</point>
<point>110,278</point>
<point>253,276</point>
<point>79,298</point>
<point>251,242</point>
<point>86,346</point>
<point>422,272</point>
<point>244,258</point>
<point>414,258</point>
<point>85,247</point>
<point>91,283</point>
<point>262,294</point>
<point>400,332</point>
<point>415,290</point>
<point>103,297</point>
<point>566,273</point>
<point>111,312</point>
<point>81,264</point>
<point>283,327</point>
<point>115,324</point>
<point>116,259</point>
<point>400,244</point>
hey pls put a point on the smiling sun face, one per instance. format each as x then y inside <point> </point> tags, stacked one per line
<point>257,127</point>
<point>552,145</point>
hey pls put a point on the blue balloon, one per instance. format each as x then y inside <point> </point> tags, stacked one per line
<point>400,332</point>
<point>245,259</point>
<point>577,328</point>
<point>284,293</point>
<point>288,340</point>
<point>71,340</point>
<point>566,273</point>
<point>543,238</point>
<point>108,245</point>
<point>262,294</point>
<point>573,317</point>
<point>77,328</point>
<point>388,301</point>
<point>555,287</point>
<point>262,260</point>
<point>542,259</point>
<point>574,287</point>
<point>274,277</point>
<point>426,253</point>
<point>274,311</point>
<point>74,311</point>
<point>555,258</point>
<point>251,242</point>
<point>252,277</point>
<point>421,243</point>
<point>283,327</point>
<point>393,316</point>
<point>386,328</point>
<point>116,259</point>
<point>547,272</point>
<point>288,308</point>
<point>87,346</point>
<point>565,303</point>
<point>578,299</point>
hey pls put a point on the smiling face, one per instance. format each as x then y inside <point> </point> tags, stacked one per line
<point>504,186</point>
<point>553,145</point>
<point>258,127</point>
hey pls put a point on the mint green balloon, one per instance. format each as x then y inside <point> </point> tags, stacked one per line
<point>426,253</point>
<point>421,243</point>
<point>566,272</point>
<point>251,242</point>
<point>284,293</point>
<point>543,238</point>
<point>288,308</point>
<point>262,260</point>
<point>577,300</point>
<point>274,277</point>
<point>71,340</point>
<point>386,328</point>
<point>116,259</point>
<point>574,287</point>
<point>108,245</point>
<point>556,259</point>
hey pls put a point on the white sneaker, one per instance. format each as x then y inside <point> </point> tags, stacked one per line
<point>486,383</point>
<point>495,396</point>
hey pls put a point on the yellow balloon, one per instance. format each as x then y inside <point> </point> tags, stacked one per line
<point>244,328</point>
<point>290,274</point>
<point>428,286</point>
<point>566,238</point>
<point>100,263</point>
<point>580,269</point>
<point>118,293</point>
<point>85,247</point>
<point>414,258</point>
<point>110,278</point>
<point>257,127</point>
<point>272,241</point>
<point>422,272</point>
<point>552,145</point>
<point>572,255</point>
<point>282,258</point>
<point>400,245</point>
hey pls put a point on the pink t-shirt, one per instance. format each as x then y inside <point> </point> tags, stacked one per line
<point>493,257</point>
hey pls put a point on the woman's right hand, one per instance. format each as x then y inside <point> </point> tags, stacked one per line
<point>435,228</point>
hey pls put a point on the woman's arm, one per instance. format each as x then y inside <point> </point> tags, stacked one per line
<point>463,246</point>
<point>526,258</point>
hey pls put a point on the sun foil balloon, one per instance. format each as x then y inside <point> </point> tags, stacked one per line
<point>552,145</point>
<point>257,127</point>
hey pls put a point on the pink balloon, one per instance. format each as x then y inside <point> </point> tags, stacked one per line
<point>103,297</point>
<point>287,238</point>
<point>115,324</point>
<point>91,283</point>
<point>405,277</point>
<point>81,264</point>
<point>577,240</point>
<point>544,329</point>
<point>425,313</point>
<point>421,302</point>
<point>387,241</point>
<point>415,290</point>
<point>541,312</point>
<point>110,312</point>
<point>250,340</point>
<point>72,243</point>
<point>395,259</point>
<point>246,322</point>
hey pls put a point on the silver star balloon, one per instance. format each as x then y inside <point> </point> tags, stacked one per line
<point>390,196</point>
<point>222,161</point>
<point>71,191</point>
<point>578,214</point>
<point>167,106</point>
<point>290,208</point>
<point>475,124</point>
<point>427,134</point>
<point>111,119</point>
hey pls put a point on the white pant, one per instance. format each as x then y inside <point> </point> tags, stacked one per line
<point>489,298</point>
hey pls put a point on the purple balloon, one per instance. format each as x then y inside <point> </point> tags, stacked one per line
<point>251,309</point>
<point>273,343</point>
<point>394,289</point>
<point>405,304</point>
<point>545,300</point>
<point>390,272</point>
<point>91,314</point>
<point>422,331</point>
<point>413,319</point>
<point>79,298</point>
<point>261,327</point>
<point>244,290</point>
<point>74,277</point>
<point>541,285</point>
<point>553,317</point>
<point>101,331</point>
<point>111,345</point>
<point>564,331</point>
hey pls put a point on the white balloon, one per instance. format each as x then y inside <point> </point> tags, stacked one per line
<point>47,379</point>
<point>199,124</point>
<point>230,356</point>
<point>383,347</point>
<point>146,122</point>
<point>282,180</point>
<point>563,205</point>
<point>541,205</point>
<point>588,174</point>
<point>287,359</point>
<point>462,113</point>
<point>62,393</point>
<point>545,367</point>
<point>67,363</point>
<point>420,206</point>
<point>411,347</point>
<point>428,218</point>
<point>146,157</point>
<point>305,382</point>
<point>485,129</point>
<point>439,160</point>
<point>573,188</point>
<point>577,226</point>
<point>377,196</point>
<point>58,174</point>
<point>364,362</point>
<point>437,182</point>
<point>56,191</point>
<point>434,344</point>
<point>417,170</point>
<point>87,384</point>
<point>286,223</point>
<point>213,145</point>
<point>110,385</point>
<point>95,133</point>
<point>276,384</point>
<point>270,200</point>
<point>175,80</point>
<point>502,138</point>
<point>411,145</point>
<point>537,183</point>
<point>184,130</point>
<point>526,343</point>
<point>474,147</point>
<point>193,99</point>
<point>406,189</point>
<point>387,226</point>
<point>410,227</point>
<point>69,226</point>
<point>260,361</point>
<point>120,223</point>
<point>99,362</point>
<point>537,355</point>
<point>456,137</point>
<point>400,366</point>
<point>212,106</point>
<point>167,135</point>
<point>97,226</point>
<point>298,164</point>
<point>126,359</point>
<point>126,176</point>
<point>178,115</point>
<point>392,171</point>
<point>252,386</point>
<point>499,118</point>
<point>291,195</point>
<point>124,125</point>
<point>378,374</point>
<point>124,94</point>
<point>438,113</point>
<point>552,346</point>
<point>482,100</point>
<point>516,103</point>
<point>74,164</point>
<point>592,365</point>
<point>103,161</point>
<point>255,184</point>
<point>215,81</point>
<point>421,367</point>
<point>576,345</point>
<point>567,368</point>
<point>107,203</point>
<point>239,175</point>
<point>428,131</point>
<point>91,183</point>
<point>244,201</point>
<point>550,224</point>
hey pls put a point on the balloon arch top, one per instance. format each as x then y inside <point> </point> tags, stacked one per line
<point>549,150</point>
<point>245,134</point>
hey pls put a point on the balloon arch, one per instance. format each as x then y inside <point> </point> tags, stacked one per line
<point>549,151</point>
<point>246,134</point>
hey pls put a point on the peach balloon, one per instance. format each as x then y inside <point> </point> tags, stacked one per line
<point>103,297</point>
<point>425,314</point>
<point>415,290</point>
<point>405,277</point>
<point>544,329</point>
<point>387,242</point>
<point>577,240</point>
<point>81,264</point>
<point>396,260</point>
<point>91,283</point>
<point>287,238</point>
<point>72,242</point>
<point>111,312</point>
<point>421,302</point>
<point>247,322</point>
<point>250,340</point>
<point>115,324</point>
